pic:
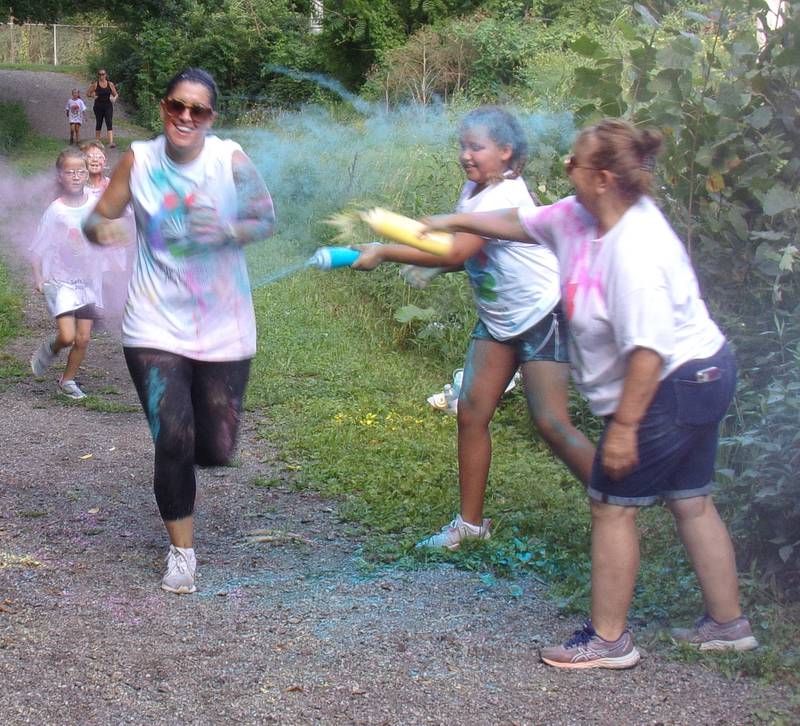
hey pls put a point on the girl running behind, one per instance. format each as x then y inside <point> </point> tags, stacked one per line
<point>520,322</point>
<point>76,112</point>
<point>117,260</point>
<point>67,270</point>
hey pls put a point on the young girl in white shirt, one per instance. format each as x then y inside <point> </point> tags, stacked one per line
<point>520,323</point>
<point>67,270</point>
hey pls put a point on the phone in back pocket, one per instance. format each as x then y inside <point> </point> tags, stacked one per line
<point>706,375</point>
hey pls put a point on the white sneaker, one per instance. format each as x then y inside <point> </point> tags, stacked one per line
<point>443,402</point>
<point>71,390</point>
<point>451,534</point>
<point>419,277</point>
<point>181,565</point>
<point>512,384</point>
<point>43,358</point>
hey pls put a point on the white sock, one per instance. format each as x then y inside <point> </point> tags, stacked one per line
<point>473,528</point>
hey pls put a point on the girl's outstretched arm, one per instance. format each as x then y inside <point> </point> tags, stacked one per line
<point>501,224</point>
<point>102,226</point>
<point>464,246</point>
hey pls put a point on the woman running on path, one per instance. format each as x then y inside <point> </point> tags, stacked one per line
<point>104,93</point>
<point>188,329</point>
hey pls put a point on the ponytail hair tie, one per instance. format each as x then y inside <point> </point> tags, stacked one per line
<point>648,163</point>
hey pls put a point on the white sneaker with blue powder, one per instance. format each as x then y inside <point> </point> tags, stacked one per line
<point>453,533</point>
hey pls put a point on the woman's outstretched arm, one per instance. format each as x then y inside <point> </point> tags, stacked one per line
<point>502,224</point>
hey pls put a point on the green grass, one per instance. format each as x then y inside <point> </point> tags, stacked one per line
<point>10,311</point>
<point>351,406</point>
<point>71,70</point>
<point>346,404</point>
<point>96,403</point>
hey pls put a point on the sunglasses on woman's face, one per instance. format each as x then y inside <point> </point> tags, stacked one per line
<point>571,163</point>
<point>198,112</point>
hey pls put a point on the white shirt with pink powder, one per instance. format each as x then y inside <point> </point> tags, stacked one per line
<point>67,258</point>
<point>633,287</point>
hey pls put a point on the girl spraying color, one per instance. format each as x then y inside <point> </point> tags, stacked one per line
<point>520,323</point>
<point>653,363</point>
<point>66,268</point>
<point>188,328</point>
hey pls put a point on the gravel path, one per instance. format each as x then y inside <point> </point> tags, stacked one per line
<point>288,627</point>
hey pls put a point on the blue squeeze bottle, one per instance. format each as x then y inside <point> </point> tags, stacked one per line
<point>329,258</point>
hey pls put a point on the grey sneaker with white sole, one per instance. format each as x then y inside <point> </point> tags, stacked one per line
<point>708,634</point>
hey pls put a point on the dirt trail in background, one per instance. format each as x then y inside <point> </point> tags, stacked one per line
<point>288,630</point>
<point>45,95</point>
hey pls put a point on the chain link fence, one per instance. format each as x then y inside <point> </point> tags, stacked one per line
<point>53,45</point>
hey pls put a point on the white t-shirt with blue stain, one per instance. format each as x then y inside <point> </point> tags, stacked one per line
<point>515,284</point>
<point>184,297</point>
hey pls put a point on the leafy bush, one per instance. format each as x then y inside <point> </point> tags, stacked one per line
<point>243,45</point>
<point>507,51</point>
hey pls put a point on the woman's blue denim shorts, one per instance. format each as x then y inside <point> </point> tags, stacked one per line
<point>677,437</point>
<point>547,340</point>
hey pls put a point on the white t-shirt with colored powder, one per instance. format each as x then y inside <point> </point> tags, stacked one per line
<point>76,109</point>
<point>515,284</point>
<point>186,298</point>
<point>633,287</point>
<point>67,257</point>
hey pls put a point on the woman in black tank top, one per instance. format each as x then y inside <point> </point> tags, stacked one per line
<point>104,93</point>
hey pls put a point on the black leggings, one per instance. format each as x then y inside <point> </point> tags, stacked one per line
<point>104,112</point>
<point>193,409</point>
